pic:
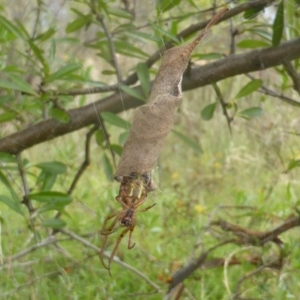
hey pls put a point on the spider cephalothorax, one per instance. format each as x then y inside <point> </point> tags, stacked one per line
<point>133,192</point>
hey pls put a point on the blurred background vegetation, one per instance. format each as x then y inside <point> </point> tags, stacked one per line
<point>62,55</point>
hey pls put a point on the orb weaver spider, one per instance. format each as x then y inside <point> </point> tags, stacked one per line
<point>133,193</point>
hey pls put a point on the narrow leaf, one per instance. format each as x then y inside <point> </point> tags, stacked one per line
<point>144,77</point>
<point>116,148</point>
<point>14,205</point>
<point>63,72</point>
<point>278,25</point>
<point>11,28</point>
<point>60,115</point>
<point>49,196</point>
<point>108,169</point>
<point>115,120</point>
<point>7,116</point>
<point>249,88</point>
<point>190,142</point>
<point>250,113</point>
<point>128,49</point>
<point>54,223</point>
<point>7,158</point>
<point>119,13</point>
<point>293,163</point>
<point>253,12</point>
<point>165,5</point>
<point>252,44</point>
<point>53,167</point>
<point>132,92</point>
<point>77,24</point>
<point>208,111</point>
<point>17,83</point>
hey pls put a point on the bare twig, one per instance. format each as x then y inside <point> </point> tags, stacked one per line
<point>25,201</point>
<point>263,89</point>
<point>257,238</point>
<point>223,105</point>
<point>183,273</point>
<point>111,46</point>
<point>115,259</point>
<point>87,159</point>
<point>254,272</point>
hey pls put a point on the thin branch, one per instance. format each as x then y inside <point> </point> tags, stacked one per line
<point>263,89</point>
<point>258,238</point>
<point>86,161</point>
<point>111,49</point>
<point>50,240</point>
<point>254,272</point>
<point>115,259</point>
<point>111,45</point>
<point>183,273</point>
<point>199,76</point>
<point>223,105</point>
<point>26,200</point>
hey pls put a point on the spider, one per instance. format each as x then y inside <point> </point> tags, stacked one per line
<point>133,193</point>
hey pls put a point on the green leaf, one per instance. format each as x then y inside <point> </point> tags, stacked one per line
<point>54,223</point>
<point>14,205</point>
<point>115,120</point>
<point>39,55</point>
<point>63,72</point>
<point>132,92</point>
<point>253,12</point>
<point>119,13</point>
<point>165,5</point>
<point>144,77</point>
<point>123,137</point>
<point>252,112</point>
<point>51,197</point>
<point>293,163</point>
<point>278,25</point>
<point>116,148</point>
<point>191,143</point>
<point>163,32</point>
<point>78,24</point>
<point>7,158</point>
<point>208,111</point>
<point>47,180</point>
<point>249,88</point>
<point>108,72</point>
<point>46,35</point>
<point>252,44</point>
<point>208,56</point>
<point>128,49</point>
<point>17,83</point>
<point>11,28</point>
<point>108,169</point>
<point>6,182</point>
<point>7,116</point>
<point>100,138</point>
<point>145,36</point>
<point>60,115</point>
<point>53,167</point>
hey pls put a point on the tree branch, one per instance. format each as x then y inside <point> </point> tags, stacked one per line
<point>199,76</point>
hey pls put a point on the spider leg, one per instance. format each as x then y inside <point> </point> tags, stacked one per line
<point>106,232</point>
<point>117,244</point>
<point>145,209</point>
<point>130,237</point>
